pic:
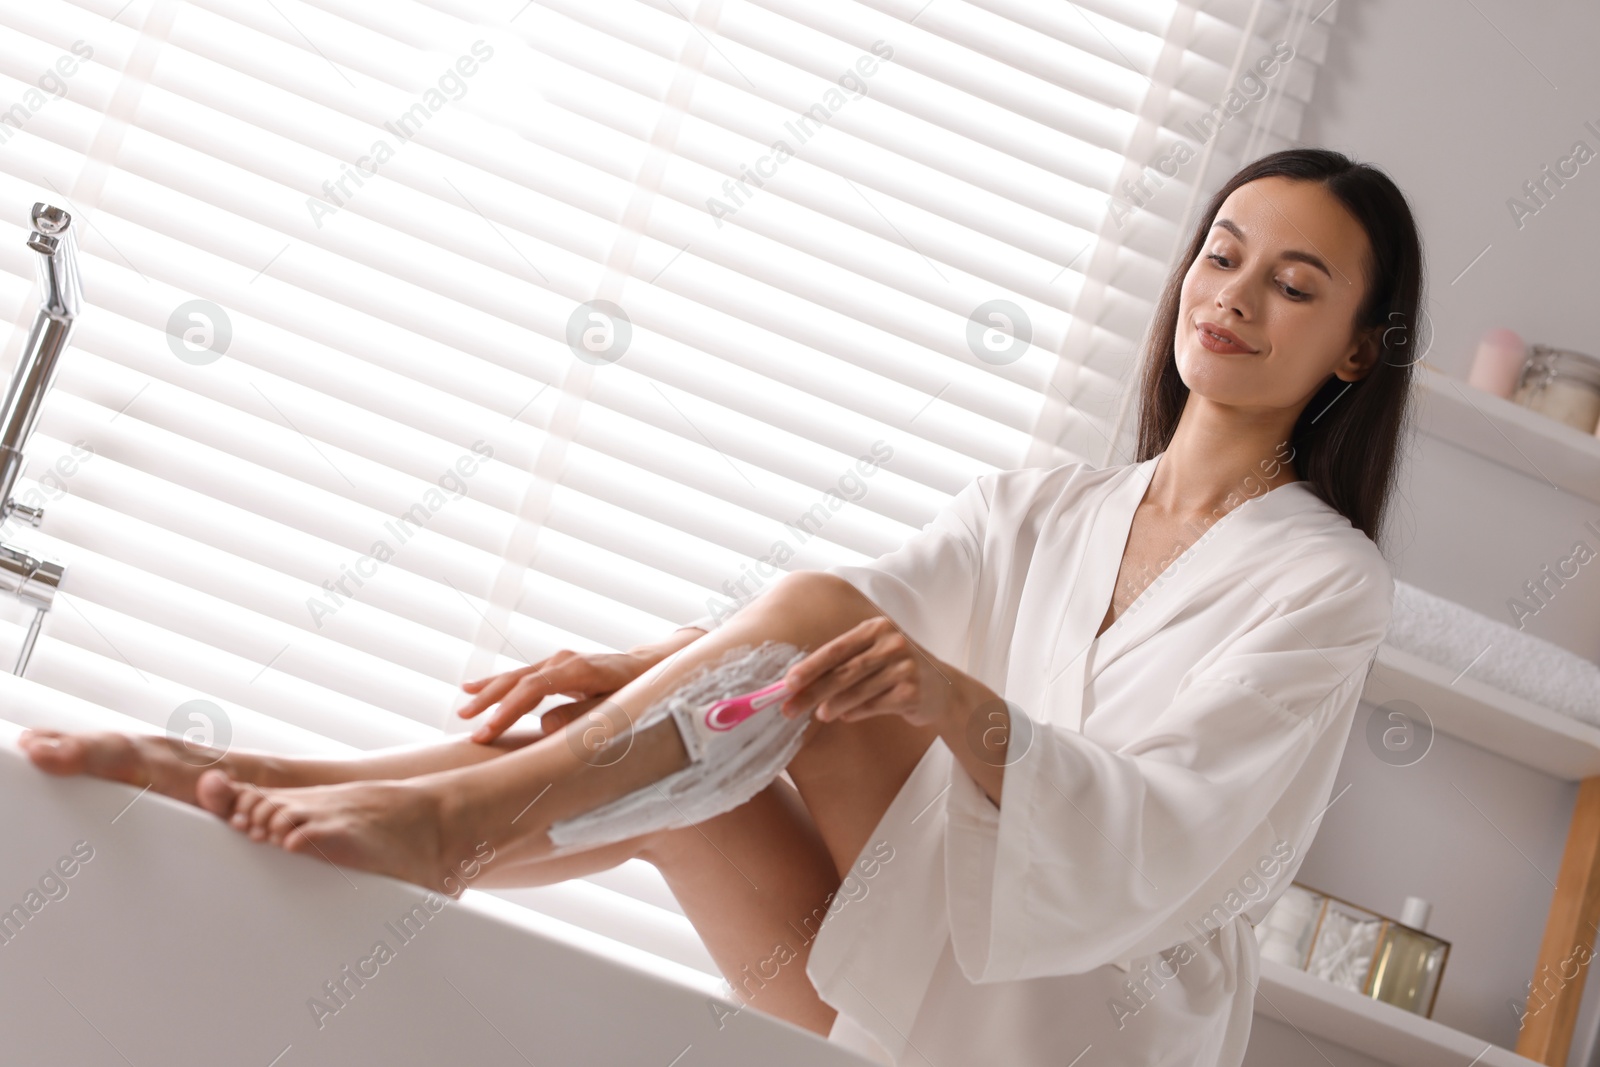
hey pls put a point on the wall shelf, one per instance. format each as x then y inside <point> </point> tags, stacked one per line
<point>1515,438</point>
<point>1321,1009</point>
<point>1507,433</point>
<point>1484,716</point>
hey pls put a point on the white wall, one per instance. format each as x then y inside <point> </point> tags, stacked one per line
<point>1461,104</point>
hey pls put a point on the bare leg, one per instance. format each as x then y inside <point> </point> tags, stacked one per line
<point>172,767</point>
<point>422,828</point>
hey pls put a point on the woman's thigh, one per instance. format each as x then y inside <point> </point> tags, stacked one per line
<point>755,882</point>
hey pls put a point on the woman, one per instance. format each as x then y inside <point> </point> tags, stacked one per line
<point>1070,740</point>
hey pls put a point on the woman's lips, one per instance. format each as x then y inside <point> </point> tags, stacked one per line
<point>1217,344</point>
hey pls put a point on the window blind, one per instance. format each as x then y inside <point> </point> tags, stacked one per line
<point>424,339</point>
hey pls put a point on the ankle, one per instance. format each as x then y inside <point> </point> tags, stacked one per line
<point>451,805</point>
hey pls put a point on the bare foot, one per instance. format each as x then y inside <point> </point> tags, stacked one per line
<point>389,827</point>
<point>163,763</point>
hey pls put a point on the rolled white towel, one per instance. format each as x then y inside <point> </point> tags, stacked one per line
<point>1444,632</point>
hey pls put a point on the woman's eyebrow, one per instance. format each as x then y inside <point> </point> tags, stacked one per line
<point>1292,253</point>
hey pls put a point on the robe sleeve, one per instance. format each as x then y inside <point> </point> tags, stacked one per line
<point>928,585</point>
<point>1098,856</point>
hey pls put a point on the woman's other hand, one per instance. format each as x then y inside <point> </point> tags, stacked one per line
<point>590,677</point>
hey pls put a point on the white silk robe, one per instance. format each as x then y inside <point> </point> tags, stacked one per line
<point>1163,779</point>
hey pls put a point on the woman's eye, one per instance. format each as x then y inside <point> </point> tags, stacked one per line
<point>1290,292</point>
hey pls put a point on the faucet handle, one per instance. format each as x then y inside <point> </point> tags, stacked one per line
<point>54,240</point>
<point>26,512</point>
<point>50,220</point>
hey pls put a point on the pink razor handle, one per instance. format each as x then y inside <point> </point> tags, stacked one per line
<point>726,714</point>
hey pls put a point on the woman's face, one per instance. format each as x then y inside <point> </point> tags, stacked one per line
<point>1283,269</point>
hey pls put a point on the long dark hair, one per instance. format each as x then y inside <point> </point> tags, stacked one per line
<point>1346,440</point>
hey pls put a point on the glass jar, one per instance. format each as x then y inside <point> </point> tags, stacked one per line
<point>1356,948</point>
<point>1406,970</point>
<point>1562,384</point>
<point>1344,944</point>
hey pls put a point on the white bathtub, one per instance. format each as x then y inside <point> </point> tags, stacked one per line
<point>176,941</point>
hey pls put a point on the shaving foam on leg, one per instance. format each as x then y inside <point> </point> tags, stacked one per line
<point>726,768</point>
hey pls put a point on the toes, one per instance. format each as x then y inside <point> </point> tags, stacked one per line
<point>298,839</point>
<point>249,809</point>
<point>102,754</point>
<point>219,794</point>
<point>260,813</point>
<point>280,823</point>
<point>264,815</point>
<point>245,802</point>
<point>53,751</point>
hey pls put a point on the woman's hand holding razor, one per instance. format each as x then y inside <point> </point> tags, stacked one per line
<point>875,669</point>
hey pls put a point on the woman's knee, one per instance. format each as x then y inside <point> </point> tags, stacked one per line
<point>818,595</point>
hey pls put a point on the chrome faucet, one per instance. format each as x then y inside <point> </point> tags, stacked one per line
<point>32,578</point>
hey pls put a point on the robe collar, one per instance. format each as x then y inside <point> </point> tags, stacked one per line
<point>1090,595</point>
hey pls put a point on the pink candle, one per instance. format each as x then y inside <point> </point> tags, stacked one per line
<point>1498,363</point>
